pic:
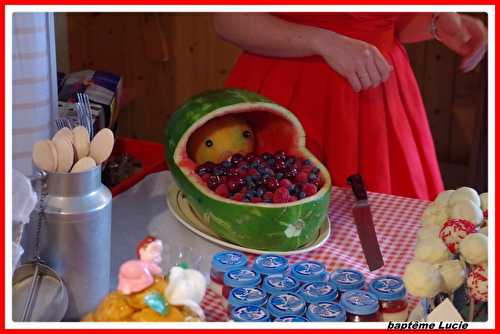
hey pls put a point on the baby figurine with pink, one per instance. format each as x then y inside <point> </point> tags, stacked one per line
<point>145,294</point>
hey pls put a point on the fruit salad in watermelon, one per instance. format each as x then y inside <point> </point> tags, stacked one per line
<point>242,163</point>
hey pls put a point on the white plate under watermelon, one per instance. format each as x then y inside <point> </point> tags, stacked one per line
<point>185,214</point>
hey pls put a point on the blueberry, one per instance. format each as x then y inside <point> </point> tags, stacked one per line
<point>312,177</point>
<point>271,161</point>
<point>307,162</point>
<point>251,185</point>
<point>250,194</point>
<point>226,164</point>
<point>256,177</point>
<point>261,169</point>
<point>258,182</point>
<point>289,161</point>
<point>301,195</point>
<point>218,171</point>
<point>279,176</point>
<point>254,164</point>
<point>266,155</point>
<point>269,171</point>
<point>292,190</point>
<point>248,178</point>
<point>259,192</point>
<point>315,170</point>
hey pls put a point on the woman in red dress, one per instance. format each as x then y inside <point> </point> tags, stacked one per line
<point>348,79</point>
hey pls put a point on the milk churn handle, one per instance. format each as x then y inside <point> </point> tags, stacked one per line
<point>42,179</point>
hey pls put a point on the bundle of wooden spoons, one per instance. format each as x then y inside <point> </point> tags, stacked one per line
<point>72,151</point>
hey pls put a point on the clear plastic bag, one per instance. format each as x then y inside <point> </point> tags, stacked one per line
<point>24,200</point>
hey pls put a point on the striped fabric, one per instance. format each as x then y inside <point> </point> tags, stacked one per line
<point>32,75</point>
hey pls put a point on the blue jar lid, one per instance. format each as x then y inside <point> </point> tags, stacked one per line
<point>291,318</point>
<point>347,279</point>
<point>388,288</point>
<point>315,292</point>
<point>326,312</point>
<point>242,277</point>
<point>225,261</point>
<point>287,303</point>
<point>247,296</point>
<point>359,302</point>
<point>269,264</point>
<point>309,271</point>
<point>275,284</point>
<point>250,313</point>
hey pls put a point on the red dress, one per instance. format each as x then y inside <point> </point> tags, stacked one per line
<point>381,133</point>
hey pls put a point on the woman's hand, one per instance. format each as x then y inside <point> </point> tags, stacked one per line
<point>359,62</point>
<point>465,35</point>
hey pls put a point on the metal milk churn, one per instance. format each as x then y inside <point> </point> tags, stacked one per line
<point>75,239</point>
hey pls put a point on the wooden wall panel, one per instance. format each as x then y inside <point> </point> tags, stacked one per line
<point>132,45</point>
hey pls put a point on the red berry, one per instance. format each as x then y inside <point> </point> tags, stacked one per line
<point>213,181</point>
<point>286,183</point>
<point>309,189</point>
<point>238,197</point>
<point>256,199</point>
<point>307,168</point>
<point>234,183</point>
<point>205,177</point>
<point>302,177</point>
<point>233,171</point>
<point>292,198</point>
<point>281,195</point>
<point>222,190</point>
<point>252,172</point>
<point>271,183</point>
<point>267,195</point>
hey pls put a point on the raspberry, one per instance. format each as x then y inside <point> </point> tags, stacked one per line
<point>302,177</point>
<point>286,183</point>
<point>281,195</point>
<point>256,200</point>
<point>292,199</point>
<point>238,196</point>
<point>267,195</point>
<point>309,189</point>
<point>222,190</point>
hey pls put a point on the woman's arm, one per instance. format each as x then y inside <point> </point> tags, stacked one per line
<point>360,63</point>
<point>267,35</point>
<point>463,34</point>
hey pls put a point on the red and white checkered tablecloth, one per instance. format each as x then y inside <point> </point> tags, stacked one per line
<point>396,220</point>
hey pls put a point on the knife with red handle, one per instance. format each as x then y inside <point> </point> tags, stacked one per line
<point>364,224</point>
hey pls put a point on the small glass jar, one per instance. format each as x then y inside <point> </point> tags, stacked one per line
<point>326,312</point>
<point>240,278</point>
<point>309,271</point>
<point>347,280</point>
<point>250,313</point>
<point>276,284</point>
<point>246,296</point>
<point>391,293</point>
<point>360,306</point>
<point>315,292</point>
<point>270,264</point>
<point>283,304</point>
<point>221,263</point>
<point>291,318</point>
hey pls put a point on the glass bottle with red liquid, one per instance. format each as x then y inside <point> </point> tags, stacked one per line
<point>223,262</point>
<point>391,293</point>
<point>360,306</point>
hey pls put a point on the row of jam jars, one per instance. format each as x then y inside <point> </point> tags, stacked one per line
<point>391,293</point>
<point>223,262</point>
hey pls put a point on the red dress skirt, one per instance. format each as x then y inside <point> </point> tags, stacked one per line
<point>381,133</point>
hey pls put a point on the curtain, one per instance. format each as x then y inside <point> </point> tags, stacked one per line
<point>34,84</point>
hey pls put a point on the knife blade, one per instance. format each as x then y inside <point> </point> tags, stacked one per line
<point>364,224</point>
